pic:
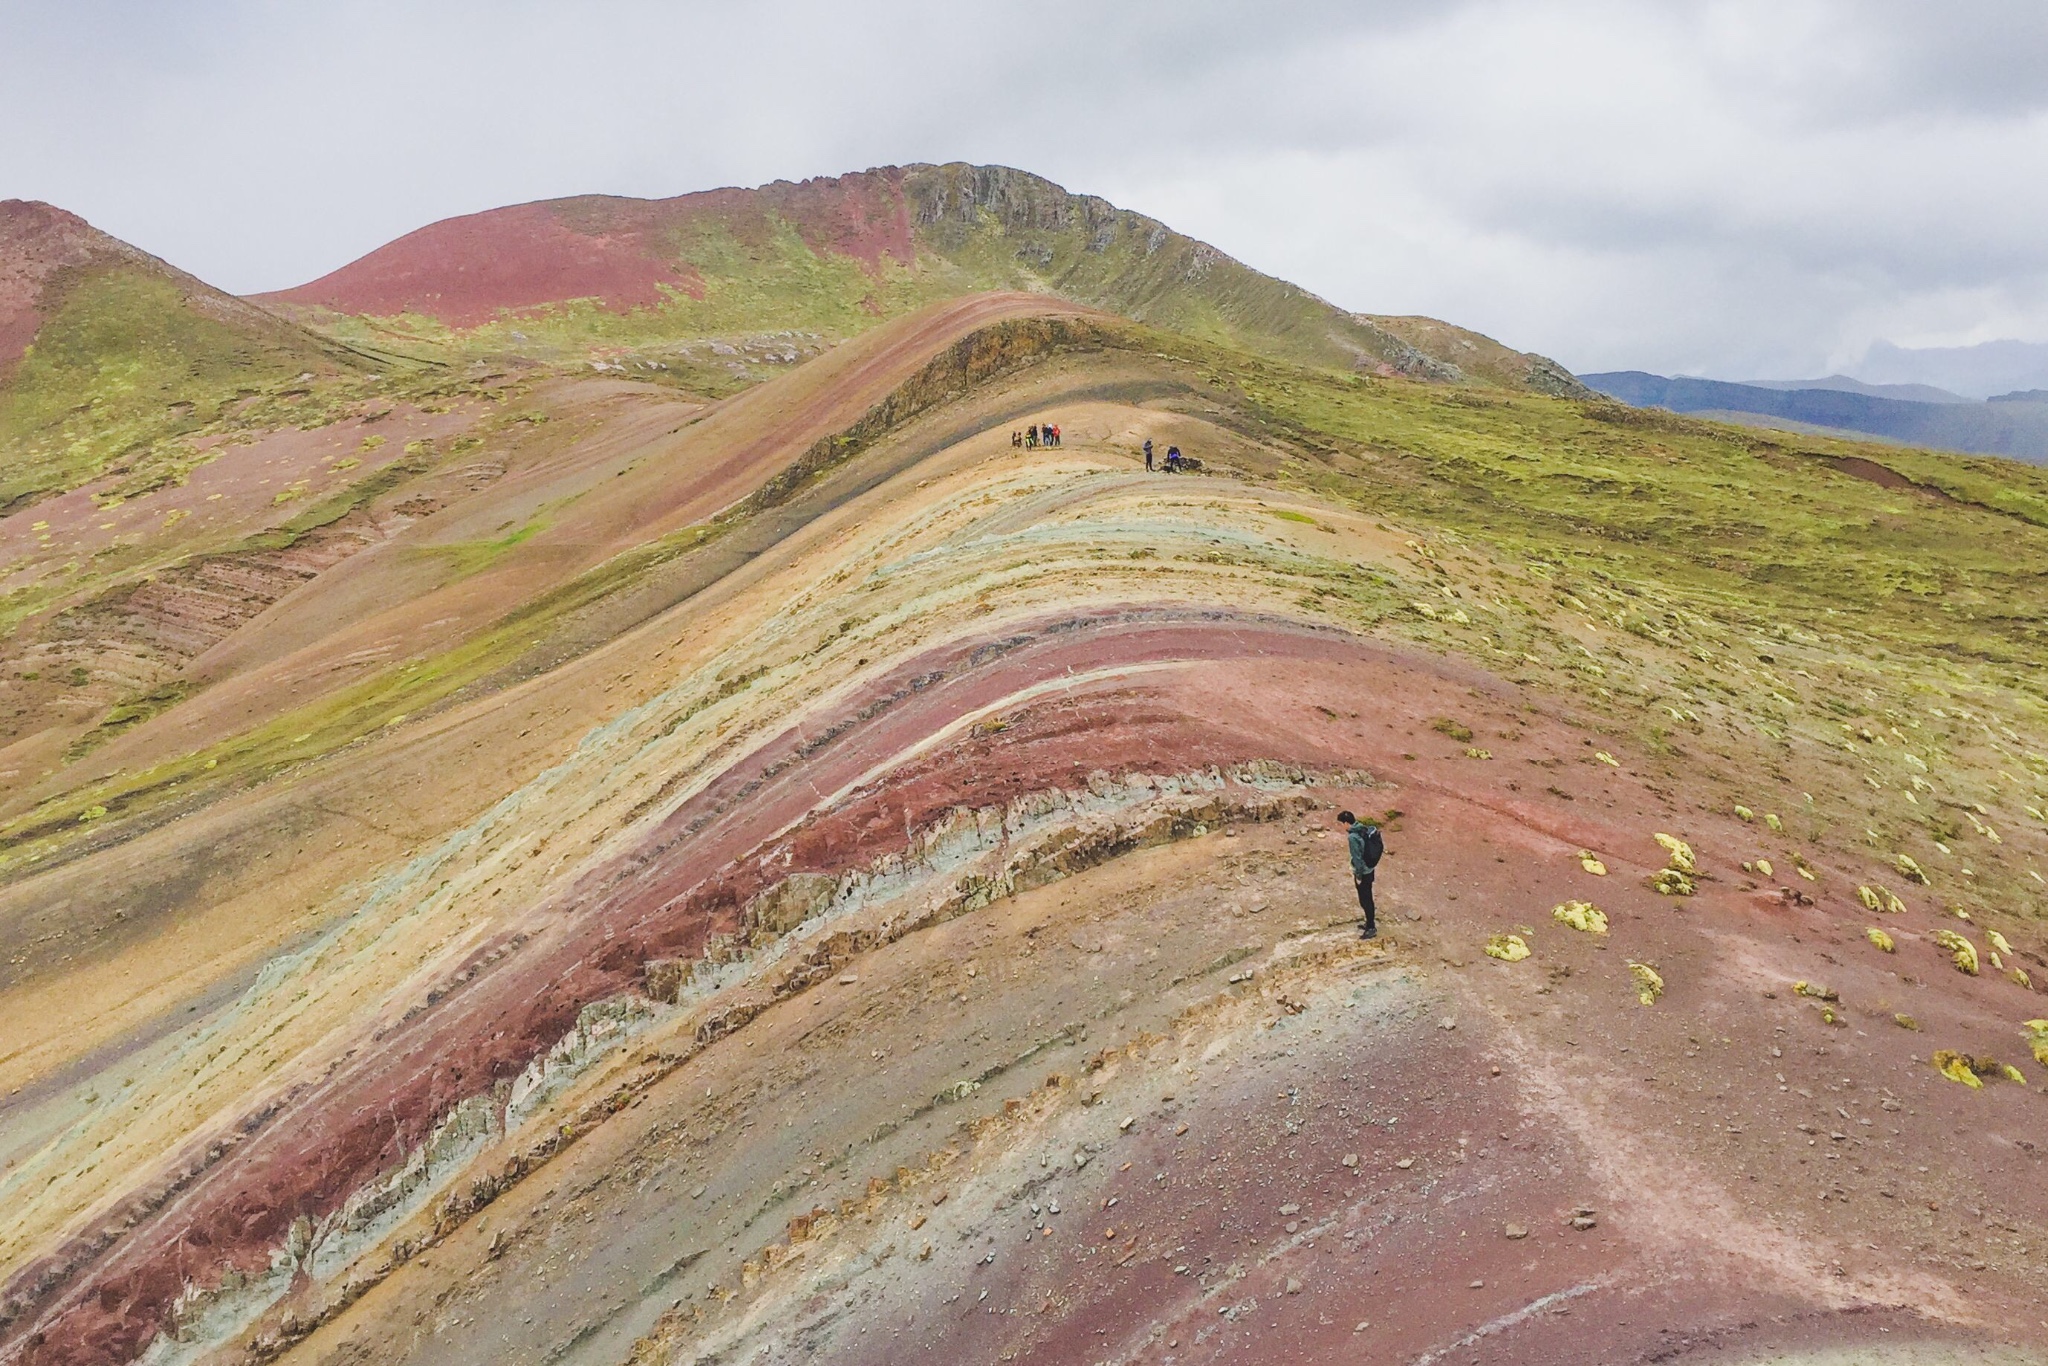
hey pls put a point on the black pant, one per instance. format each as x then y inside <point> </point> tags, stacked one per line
<point>1365,898</point>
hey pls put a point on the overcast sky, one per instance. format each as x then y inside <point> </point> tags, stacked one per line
<point>1735,189</point>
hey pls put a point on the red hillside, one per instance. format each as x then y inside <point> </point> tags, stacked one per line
<point>622,252</point>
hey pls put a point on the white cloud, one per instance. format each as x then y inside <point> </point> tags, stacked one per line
<point>1732,188</point>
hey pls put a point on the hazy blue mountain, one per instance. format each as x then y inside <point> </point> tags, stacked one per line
<point>1979,371</point>
<point>2015,428</point>
<point>1913,393</point>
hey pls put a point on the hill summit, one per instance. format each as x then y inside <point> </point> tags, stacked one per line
<point>835,254</point>
<point>105,349</point>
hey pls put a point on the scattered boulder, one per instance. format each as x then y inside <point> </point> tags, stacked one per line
<point>1681,859</point>
<point>1509,948</point>
<point>1961,951</point>
<point>1582,916</point>
<point>1671,882</point>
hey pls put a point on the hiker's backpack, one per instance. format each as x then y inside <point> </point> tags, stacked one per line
<point>1375,846</point>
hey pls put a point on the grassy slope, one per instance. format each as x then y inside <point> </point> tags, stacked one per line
<point>1017,230</point>
<point>1725,598</point>
<point>763,300</point>
<point>126,368</point>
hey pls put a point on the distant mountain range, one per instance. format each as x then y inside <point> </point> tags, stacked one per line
<point>2014,424</point>
<point>1913,393</point>
<point>1979,371</point>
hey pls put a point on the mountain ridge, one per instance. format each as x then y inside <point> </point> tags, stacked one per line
<point>1912,393</point>
<point>1976,371</point>
<point>910,232</point>
<point>2016,429</point>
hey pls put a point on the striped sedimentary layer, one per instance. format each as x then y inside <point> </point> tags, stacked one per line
<point>793,936</point>
<point>988,639</point>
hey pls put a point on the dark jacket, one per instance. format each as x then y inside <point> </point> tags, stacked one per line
<point>1366,848</point>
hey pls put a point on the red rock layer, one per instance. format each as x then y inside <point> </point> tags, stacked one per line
<point>520,995</point>
<point>622,252</point>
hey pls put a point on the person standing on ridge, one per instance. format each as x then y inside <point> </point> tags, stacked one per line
<point>1148,453</point>
<point>1367,847</point>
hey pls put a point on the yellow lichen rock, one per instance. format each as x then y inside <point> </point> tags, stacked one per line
<point>1743,813</point>
<point>1608,759</point>
<point>1959,948</point>
<point>1956,1067</point>
<point>1773,821</point>
<point>1763,865</point>
<point>1509,948</point>
<point>2021,979</point>
<point>1999,942</point>
<point>1649,986</point>
<point>1892,902</point>
<point>1911,870</point>
<point>1671,882</point>
<point>1591,864</point>
<point>1815,991</point>
<point>1582,916</point>
<point>1969,1070</point>
<point>1880,938</point>
<point>2037,1038</point>
<point>1870,899</point>
<point>1680,851</point>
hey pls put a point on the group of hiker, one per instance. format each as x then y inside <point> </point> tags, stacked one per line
<point>1047,435</point>
<point>1036,435</point>
<point>1175,462</point>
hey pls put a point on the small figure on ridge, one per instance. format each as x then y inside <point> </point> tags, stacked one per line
<point>1366,846</point>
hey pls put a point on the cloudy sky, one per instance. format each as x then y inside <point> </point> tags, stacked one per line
<point>1735,189</point>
